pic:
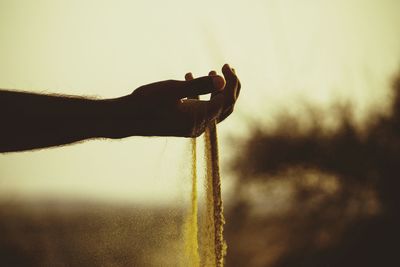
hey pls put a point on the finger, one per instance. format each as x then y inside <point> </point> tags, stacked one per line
<point>213,73</point>
<point>239,84</point>
<point>200,86</point>
<point>188,77</point>
<point>229,93</point>
<point>231,87</point>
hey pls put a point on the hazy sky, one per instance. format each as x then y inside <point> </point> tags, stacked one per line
<point>285,52</point>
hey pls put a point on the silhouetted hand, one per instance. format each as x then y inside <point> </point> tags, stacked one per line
<point>169,108</point>
<point>31,121</point>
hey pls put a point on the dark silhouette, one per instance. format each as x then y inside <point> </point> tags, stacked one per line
<point>32,121</point>
<point>344,187</point>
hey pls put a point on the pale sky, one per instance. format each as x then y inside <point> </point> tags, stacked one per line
<point>284,51</point>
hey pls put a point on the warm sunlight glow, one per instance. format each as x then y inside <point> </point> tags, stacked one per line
<point>287,53</point>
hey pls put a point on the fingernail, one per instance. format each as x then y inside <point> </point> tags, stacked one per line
<point>218,82</point>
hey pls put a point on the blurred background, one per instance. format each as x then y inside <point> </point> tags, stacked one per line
<point>309,158</point>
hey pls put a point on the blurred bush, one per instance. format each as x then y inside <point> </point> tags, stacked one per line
<point>312,197</point>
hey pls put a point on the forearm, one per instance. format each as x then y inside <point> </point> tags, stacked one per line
<point>32,121</point>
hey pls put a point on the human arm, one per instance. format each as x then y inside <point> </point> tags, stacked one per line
<point>30,121</point>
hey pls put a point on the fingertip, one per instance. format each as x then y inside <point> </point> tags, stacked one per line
<point>218,82</point>
<point>188,76</point>
<point>212,73</point>
<point>227,70</point>
<point>201,86</point>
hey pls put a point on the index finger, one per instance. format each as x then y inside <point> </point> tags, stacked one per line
<point>212,108</point>
<point>200,86</point>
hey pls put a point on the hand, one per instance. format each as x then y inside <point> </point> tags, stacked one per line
<point>167,108</point>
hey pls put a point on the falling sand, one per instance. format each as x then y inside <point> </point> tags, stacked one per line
<point>191,225</point>
<point>213,247</point>
<point>215,217</point>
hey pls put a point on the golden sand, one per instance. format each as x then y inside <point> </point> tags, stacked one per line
<point>213,247</point>
<point>215,217</point>
<point>191,226</point>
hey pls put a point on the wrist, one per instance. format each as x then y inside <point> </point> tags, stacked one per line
<point>113,120</point>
